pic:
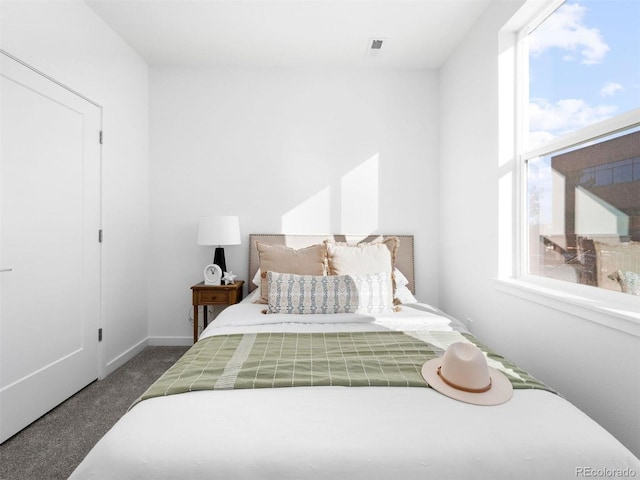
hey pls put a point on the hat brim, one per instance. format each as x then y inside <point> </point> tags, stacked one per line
<point>500,392</point>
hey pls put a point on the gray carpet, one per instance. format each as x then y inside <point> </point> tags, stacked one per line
<point>52,447</point>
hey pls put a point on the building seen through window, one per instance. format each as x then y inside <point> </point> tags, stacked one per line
<point>582,180</point>
<point>584,213</point>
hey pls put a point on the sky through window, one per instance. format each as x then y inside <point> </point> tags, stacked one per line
<point>584,65</point>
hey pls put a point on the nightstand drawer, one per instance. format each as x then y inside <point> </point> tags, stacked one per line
<point>213,297</point>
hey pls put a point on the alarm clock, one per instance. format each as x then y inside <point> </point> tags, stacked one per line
<point>212,275</point>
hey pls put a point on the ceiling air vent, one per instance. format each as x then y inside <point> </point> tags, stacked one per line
<point>374,48</point>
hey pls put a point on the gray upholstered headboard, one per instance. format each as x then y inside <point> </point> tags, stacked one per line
<point>404,257</point>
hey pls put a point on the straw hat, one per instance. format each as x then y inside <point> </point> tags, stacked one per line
<point>462,373</point>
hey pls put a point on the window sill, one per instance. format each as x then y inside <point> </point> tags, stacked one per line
<point>624,317</point>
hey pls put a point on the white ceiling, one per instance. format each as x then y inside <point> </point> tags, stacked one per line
<point>420,34</point>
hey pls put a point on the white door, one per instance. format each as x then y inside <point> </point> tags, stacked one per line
<point>49,249</point>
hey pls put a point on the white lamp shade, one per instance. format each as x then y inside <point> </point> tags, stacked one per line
<point>219,230</point>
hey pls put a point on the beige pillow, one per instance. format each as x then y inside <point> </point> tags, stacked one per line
<point>278,258</point>
<point>362,258</point>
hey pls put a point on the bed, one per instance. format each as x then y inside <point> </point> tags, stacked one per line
<point>297,418</point>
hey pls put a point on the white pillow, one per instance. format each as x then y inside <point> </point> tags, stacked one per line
<point>253,297</point>
<point>346,259</point>
<point>404,295</point>
<point>256,278</point>
<point>401,280</point>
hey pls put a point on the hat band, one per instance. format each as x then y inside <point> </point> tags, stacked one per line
<point>464,389</point>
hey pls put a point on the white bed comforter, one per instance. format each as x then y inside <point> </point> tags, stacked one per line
<point>351,433</point>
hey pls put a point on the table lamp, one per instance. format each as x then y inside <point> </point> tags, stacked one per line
<point>219,231</point>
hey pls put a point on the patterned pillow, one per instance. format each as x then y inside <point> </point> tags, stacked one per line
<point>629,281</point>
<point>302,294</point>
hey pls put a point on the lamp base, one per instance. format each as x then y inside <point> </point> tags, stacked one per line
<point>218,259</point>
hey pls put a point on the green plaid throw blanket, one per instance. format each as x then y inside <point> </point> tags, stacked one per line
<point>269,360</point>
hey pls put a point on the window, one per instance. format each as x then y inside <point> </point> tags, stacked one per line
<point>580,144</point>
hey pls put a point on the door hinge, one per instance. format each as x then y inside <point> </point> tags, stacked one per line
<point>100,236</point>
<point>100,137</point>
<point>100,334</point>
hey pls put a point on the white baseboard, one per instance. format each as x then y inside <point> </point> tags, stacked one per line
<point>147,342</point>
<point>125,357</point>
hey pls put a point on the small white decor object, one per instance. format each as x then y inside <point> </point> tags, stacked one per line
<point>212,274</point>
<point>229,278</point>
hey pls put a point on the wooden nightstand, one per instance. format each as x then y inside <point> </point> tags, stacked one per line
<point>213,295</point>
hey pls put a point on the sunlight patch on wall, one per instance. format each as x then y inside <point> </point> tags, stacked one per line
<point>313,215</point>
<point>505,225</point>
<point>360,189</point>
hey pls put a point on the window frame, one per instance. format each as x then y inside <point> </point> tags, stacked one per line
<point>614,309</point>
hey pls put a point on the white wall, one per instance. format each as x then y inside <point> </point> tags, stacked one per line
<point>595,367</point>
<point>281,149</point>
<point>68,42</point>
